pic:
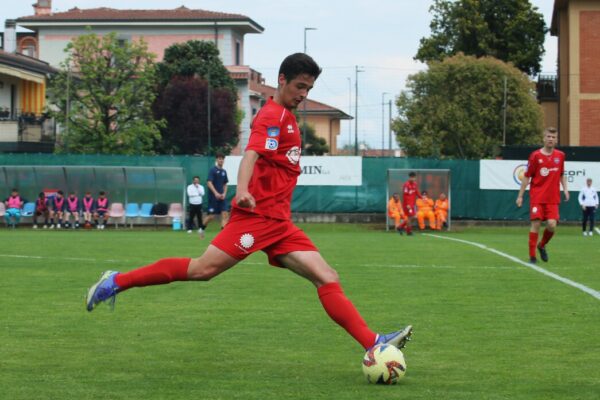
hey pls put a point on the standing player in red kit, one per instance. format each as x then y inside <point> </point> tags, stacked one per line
<point>545,172</point>
<point>410,192</point>
<point>261,216</point>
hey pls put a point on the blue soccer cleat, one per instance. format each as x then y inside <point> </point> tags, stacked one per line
<point>103,290</point>
<point>397,339</point>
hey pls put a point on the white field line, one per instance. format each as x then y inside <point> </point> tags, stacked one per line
<point>58,258</point>
<point>552,275</point>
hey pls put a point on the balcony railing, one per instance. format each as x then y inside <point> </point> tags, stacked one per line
<point>547,88</point>
<point>23,132</point>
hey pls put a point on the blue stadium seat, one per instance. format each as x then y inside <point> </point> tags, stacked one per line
<point>146,210</point>
<point>132,210</point>
<point>28,209</point>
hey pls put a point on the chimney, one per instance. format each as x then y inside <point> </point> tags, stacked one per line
<point>10,36</point>
<point>43,7</point>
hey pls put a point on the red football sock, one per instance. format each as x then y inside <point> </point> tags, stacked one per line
<point>343,312</point>
<point>161,272</point>
<point>533,237</point>
<point>546,237</point>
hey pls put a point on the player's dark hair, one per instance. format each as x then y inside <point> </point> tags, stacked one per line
<point>298,64</point>
<point>41,195</point>
<point>220,155</point>
<point>196,177</point>
<point>14,190</point>
<point>412,174</point>
<point>101,193</point>
<point>60,192</point>
<point>424,192</point>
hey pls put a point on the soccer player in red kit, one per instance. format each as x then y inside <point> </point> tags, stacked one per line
<point>410,192</point>
<point>261,216</point>
<point>545,173</point>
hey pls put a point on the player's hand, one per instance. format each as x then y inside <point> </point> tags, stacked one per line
<point>245,200</point>
<point>519,201</point>
<point>567,196</point>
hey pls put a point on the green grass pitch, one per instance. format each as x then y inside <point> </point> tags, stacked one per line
<point>485,327</point>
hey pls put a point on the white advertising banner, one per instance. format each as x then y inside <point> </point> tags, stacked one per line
<point>507,174</point>
<point>316,171</point>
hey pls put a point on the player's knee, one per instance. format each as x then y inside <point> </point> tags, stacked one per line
<point>551,224</point>
<point>200,270</point>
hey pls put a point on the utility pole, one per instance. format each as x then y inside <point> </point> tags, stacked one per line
<point>383,123</point>
<point>349,113</point>
<point>390,125</point>
<point>304,101</point>
<point>504,115</point>
<point>357,70</point>
<point>208,112</point>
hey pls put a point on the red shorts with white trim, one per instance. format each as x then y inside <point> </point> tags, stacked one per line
<point>544,212</point>
<point>246,233</point>
<point>409,210</point>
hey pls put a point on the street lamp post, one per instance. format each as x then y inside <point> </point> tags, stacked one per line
<point>383,123</point>
<point>349,112</point>
<point>304,105</point>
<point>357,70</point>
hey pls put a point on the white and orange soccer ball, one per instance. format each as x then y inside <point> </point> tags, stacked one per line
<point>384,364</point>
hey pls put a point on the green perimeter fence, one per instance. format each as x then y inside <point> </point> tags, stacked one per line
<point>468,201</point>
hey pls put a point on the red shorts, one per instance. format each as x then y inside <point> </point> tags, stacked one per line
<point>409,211</point>
<point>247,232</point>
<point>543,212</point>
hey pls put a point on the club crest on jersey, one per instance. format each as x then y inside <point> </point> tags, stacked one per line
<point>556,160</point>
<point>271,144</point>
<point>540,161</point>
<point>293,155</point>
<point>273,131</point>
<point>290,128</point>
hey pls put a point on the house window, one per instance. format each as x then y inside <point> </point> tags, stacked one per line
<point>28,50</point>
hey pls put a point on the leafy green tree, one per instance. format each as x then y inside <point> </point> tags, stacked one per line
<point>510,30</point>
<point>103,96</point>
<point>189,73</point>
<point>455,109</point>
<point>315,145</point>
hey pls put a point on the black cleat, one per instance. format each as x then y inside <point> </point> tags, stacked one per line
<point>543,253</point>
<point>532,260</point>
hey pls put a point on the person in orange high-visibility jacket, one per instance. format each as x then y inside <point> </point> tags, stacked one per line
<point>425,210</point>
<point>441,211</point>
<point>395,211</point>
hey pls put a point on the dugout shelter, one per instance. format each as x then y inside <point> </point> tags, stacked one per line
<point>433,181</point>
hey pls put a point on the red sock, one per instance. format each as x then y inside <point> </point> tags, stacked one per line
<point>546,237</point>
<point>533,237</point>
<point>343,312</point>
<point>163,271</point>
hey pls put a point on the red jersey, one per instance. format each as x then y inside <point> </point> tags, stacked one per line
<point>545,173</point>
<point>276,138</point>
<point>410,192</point>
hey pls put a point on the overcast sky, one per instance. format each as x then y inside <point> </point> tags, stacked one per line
<point>381,36</point>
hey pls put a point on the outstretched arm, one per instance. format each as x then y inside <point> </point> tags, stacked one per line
<point>244,198</point>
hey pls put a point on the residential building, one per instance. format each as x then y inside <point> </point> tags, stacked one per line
<point>52,31</point>
<point>23,80</point>
<point>576,23</point>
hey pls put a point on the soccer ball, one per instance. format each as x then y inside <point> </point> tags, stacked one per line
<point>384,364</point>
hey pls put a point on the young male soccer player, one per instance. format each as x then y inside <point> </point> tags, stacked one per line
<point>410,192</point>
<point>260,218</point>
<point>545,169</point>
<point>217,192</point>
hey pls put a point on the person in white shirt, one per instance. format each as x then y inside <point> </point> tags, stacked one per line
<point>195,192</point>
<point>588,200</point>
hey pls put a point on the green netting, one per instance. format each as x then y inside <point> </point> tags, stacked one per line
<point>468,201</point>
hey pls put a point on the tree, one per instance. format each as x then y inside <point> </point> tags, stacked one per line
<point>103,95</point>
<point>510,30</point>
<point>186,66</point>
<point>315,145</point>
<point>183,104</point>
<point>455,109</point>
